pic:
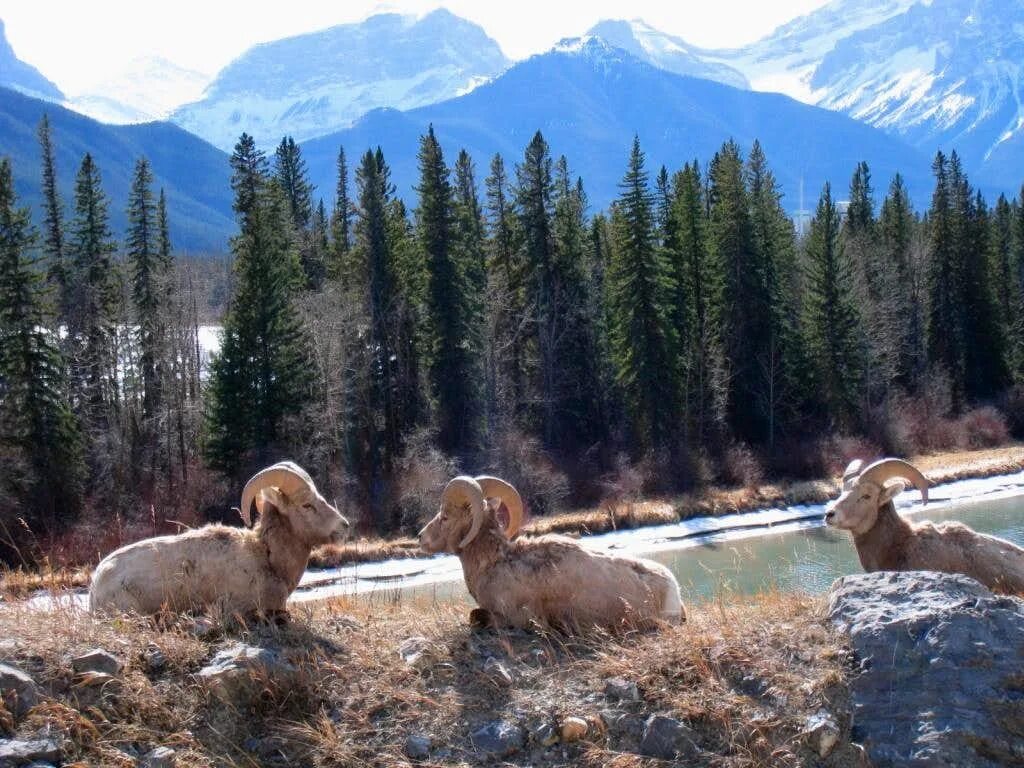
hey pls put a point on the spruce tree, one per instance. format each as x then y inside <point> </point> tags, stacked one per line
<point>261,376</point>
<point>945,333</point>
<point>290,171</point>
<point>94,307</point>
<point>831,320</point>
<point>453,358</point>
<point>896,231</point>
<point>644,342</point>
<point>53,225</point>
<point>341,220</point>
<point>36,420</point>
<point>148,280</point>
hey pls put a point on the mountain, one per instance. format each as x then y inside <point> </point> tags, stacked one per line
<point>939,74</point>
<point>24,78</point>
<point>318,83</point>
<point>665,51</point>
<point>589,99</point>
<point>149,88</point>
<point>195,175</point>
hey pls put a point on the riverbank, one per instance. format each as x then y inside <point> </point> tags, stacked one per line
<point>708,502</point>
<point>351,683</point>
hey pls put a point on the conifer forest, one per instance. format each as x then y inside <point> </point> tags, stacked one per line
<point>692,334</point>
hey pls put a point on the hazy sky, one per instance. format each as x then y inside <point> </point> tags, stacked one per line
<point>78,43</point>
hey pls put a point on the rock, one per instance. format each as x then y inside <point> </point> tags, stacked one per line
<point>18,691</point>
<point>203,628</point>
<point>156,661</point>
<point>418,652</point>
<point>573,729</point>
<point>417,747</point>
<point>97,660</point>
<point>822,733</point>
<point>545,734</point>
<point>618,689</point>
<point>19,752</point>
<point>940,668</point>
<point>623,725</point>
<point>161,757</point>
<point>237,673</point>
<point>498,672</point>
<point>667,738</point>
<point>499,738</point>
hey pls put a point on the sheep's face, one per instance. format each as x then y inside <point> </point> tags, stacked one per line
<point>447,529</point>
<point>857,507</point>
<point>310,516</point>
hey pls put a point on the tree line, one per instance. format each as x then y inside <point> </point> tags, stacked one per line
<point>502,327</point>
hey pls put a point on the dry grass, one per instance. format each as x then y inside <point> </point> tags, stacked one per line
<point>743,674</point>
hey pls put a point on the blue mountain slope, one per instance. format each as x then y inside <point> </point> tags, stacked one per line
<point>195,175</point>
<point>16,74</point>
<point>589,99</point>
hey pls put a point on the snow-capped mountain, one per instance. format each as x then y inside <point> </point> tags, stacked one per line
<point>589,99</point>
<point>938,73</point>
<point>19,76</point>
<point>665,51</point>
<point>317,83</point>
<point>148,89</point>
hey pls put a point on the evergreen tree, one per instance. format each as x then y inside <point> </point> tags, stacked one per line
<point>505,277</point>
<point>453,357</point>
<point>35,419</point>
<point>896,229</point>
<point>94,306</point>
<point>290,171</point>
<point>53,225</point>
<point>261,375</point>
<point>830,317</point>
<point>148,280</point>
<point>986,361</point>
<point>341,220</point>
<point>945,338</point>
<point>644,342</point>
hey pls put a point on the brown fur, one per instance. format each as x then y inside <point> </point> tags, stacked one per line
<point>551,580</point>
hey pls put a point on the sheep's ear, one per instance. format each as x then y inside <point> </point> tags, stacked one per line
<point>270,496</point>
<point>891,491</point>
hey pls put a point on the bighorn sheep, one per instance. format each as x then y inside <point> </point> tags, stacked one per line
<point>887,542</point>
<point>550,580</point>
<point>244,571</point>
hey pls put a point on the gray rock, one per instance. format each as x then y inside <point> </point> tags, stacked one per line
<point>203,628</point>
<point>545,734</point>
<point>97,660</point>
<point>18,691</point>
<point>618,689</point>
<point>498,672</point>
<point>418,652</point>
<point>821,733</point>
<point>237,673</point>
<point>499,738</point>
<point>156,661</point>
<point>18,752</point>
<point>940,659</point>
<point>623,724</point>
<point>161,757</point>
<point>417,747</point>
<point>667,738</point>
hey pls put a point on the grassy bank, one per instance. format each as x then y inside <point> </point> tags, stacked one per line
<point>941,468</point>
<point>743,677</point>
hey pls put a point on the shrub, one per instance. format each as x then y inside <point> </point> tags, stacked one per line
<point>983,428</point>
<point>741,467</point>
<point>1012,405</point>
<point>521,460</point>
<point>420,476</point>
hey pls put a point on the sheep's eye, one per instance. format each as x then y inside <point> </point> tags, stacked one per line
<point>310,507</point>
<point>865,497</point>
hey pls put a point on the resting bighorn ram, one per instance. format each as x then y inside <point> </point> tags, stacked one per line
<point>549,580</point>
<point>244,571</point>
<point>887,542</point>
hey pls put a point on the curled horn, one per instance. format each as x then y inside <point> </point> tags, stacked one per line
<point>851,473</point>
<point>465,490</point>
<point>287,476</point>
<point>886,469</point>
<point>495,487</point>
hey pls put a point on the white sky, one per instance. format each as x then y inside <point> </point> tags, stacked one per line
<point>79,43</point>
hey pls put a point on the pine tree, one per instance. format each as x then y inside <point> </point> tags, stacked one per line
<point>35,419</point>
<point>94,307</point>
<point>453,357</point>
<point>149,281</point>
<point>896,231</point>
<point>945,333</point>
<point>644,342</point>
<point>830,317</point>
<point>505,289</point>
<point>290,171</point>
<point>261,375</point>
<point>53,225</point>
<point>341,221</point>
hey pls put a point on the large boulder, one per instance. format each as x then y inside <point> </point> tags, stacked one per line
<point>940,679</point>
<point>240,672</point>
